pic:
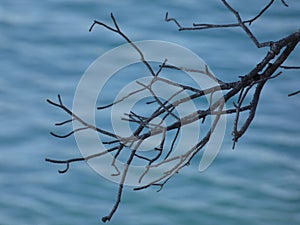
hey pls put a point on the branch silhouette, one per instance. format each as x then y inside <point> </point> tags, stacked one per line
<point>247,86</point>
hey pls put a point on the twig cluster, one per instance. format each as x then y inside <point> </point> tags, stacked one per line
<point>247,86</point>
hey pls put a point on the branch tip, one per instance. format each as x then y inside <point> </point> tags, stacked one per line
<point>65,170</point>
<point>284,3</point>
<point>105,219</point>
<point>166,17</point>
<point>294,93</point>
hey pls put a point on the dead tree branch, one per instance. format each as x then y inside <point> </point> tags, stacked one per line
<point>248,85</point>
<point>240,23</point>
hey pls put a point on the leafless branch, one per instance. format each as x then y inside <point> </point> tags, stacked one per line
<point>240,23</point>
<point>118,31</point>
<point>247,86</point>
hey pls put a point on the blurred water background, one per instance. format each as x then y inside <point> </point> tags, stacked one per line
<point>45,47</point>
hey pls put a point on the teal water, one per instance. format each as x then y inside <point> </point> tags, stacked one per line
<point>46,47</point>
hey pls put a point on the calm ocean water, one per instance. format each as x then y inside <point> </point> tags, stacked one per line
<point>46,47</point>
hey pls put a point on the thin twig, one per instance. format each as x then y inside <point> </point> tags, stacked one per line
<point>294,93</point>
<point>118,31</point>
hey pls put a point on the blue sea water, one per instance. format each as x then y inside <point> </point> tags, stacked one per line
<point>45,47</point>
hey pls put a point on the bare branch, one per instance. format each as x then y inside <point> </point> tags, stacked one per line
<point>118,31</point>
<point>240,23</point>
<point>247,86</point>
<point>260,13</point>
<point>75,117</point>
